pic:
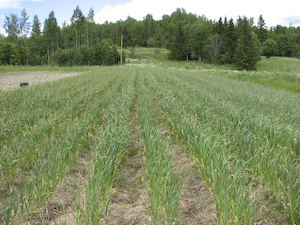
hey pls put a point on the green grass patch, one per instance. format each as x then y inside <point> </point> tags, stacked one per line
<point>283,65</point>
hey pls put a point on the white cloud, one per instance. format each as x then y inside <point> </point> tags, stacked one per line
<point>273,14</point>
<point>6,4</point>
<point>9,4</point>
<point>136,9</point>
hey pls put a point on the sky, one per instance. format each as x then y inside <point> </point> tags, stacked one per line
<point>278,12</point>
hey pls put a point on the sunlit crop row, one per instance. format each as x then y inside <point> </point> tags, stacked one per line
<point>244,137</point>
<point>162,183</point>
<point>39,154</point>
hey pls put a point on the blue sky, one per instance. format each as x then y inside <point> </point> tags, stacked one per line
<point>274,13</point>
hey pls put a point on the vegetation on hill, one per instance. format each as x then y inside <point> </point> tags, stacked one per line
<point>186,35</point>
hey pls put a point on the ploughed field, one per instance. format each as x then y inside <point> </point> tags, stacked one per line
<point>125,145</point>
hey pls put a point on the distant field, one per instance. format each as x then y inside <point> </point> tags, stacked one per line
<point>276,72</point>
<point>147,144</point>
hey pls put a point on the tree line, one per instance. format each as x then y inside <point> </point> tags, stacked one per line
<point>74,44</point>
<point>186,35</point>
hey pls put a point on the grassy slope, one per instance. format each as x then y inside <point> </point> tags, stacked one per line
<point>275,72</point>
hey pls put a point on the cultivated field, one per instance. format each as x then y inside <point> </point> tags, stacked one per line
<point>147,145</point>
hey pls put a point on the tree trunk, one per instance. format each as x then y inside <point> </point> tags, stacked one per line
<point>87,35</point>
<point>199,58</point>
<point>76,39</point>
<point>79,41</point>
<point>48,57</point>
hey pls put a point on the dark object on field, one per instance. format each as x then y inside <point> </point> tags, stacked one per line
<point>24,84</point>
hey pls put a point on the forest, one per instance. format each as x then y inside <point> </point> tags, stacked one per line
<point>188,37</point>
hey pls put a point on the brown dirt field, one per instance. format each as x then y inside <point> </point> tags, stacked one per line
<point>13,80</point>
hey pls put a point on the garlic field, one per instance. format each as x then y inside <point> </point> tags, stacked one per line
<point>65,144</point>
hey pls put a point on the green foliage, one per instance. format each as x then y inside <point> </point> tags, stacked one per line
<point>100,54</point>
<point>213,48</point>
<point>286,45</point>
<point>262,31</point>
<point>177,48</point>
<point>9,54</point>
<point>196,40</point>
<point>51,31</point>
<point>11,26</point>
<point>270,48</point>
<point>36,27</point>
<point>247,53</point>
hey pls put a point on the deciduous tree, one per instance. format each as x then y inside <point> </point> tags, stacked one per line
<point>11,26</point>
<point>77,21</point>
<point>270,48</point>
<point>24,24</point>
<point>36,27</point>
<point>9,54</point>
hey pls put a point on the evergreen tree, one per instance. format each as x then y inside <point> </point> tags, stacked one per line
<point>177,48</point>
<point>219,27</point>
<point>246,54</point>
<point>230,41</point>
<point>262,32</point>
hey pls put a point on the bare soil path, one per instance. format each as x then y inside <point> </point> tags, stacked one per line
<point>196,203</point>
<point>13,80</point>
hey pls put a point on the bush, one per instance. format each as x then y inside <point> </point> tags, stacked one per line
<point>270,48</point>
<point>9,54</point>
<point>100,54</point>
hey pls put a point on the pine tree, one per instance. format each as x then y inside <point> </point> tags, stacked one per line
<point>246,54</point>
<point>177,48</point>
<point>262,32</point>
<point>230,40</point>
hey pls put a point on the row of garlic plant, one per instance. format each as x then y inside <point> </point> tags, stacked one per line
<point>33,116</point>
<point>259,126</point>
<point>110,149</point>
<point>161,182</point>
<point>232,190</point>
<point>58,154</point>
